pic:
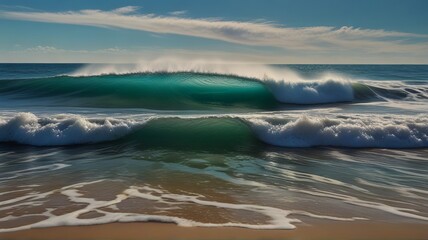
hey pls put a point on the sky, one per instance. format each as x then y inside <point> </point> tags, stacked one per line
<point>274,31</point>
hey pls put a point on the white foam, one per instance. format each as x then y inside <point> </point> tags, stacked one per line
<point>326,89</point>
<point>278,218</point>
<point>345,131</point>
<point>26,128</point>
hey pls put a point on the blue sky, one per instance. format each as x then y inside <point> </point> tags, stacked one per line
<point>275,31</point>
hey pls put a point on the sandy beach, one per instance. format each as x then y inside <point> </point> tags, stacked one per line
<point>131,231</point>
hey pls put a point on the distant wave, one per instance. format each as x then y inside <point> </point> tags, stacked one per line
<point>371,131</point>
<point>286,85</point>
<point>191,90</point>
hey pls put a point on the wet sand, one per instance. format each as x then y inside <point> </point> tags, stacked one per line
<point>130,231</point>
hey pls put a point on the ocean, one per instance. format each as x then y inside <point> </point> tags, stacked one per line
<point>198,144</point>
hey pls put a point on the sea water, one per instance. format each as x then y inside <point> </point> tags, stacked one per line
<point>255,146</point>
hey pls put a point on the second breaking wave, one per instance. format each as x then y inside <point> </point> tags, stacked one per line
<point>221,131</point>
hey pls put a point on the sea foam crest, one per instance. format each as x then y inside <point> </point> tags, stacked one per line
<point>26,128</point>
<point>358,131</point>
<point>327,90</point>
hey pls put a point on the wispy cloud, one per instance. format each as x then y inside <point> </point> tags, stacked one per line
<point>48,49</point>
<point>320,38</point>
<point>55,50</point>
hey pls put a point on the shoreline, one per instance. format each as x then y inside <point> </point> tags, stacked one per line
<point>149,230</point>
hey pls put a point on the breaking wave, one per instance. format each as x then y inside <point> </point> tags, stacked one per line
<point>198,91</point>
<point>222,131</point>
<point>355,131</point>
<point>27,128</point>
<point>203,88</point>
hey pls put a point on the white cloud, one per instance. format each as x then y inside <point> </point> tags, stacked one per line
<point>178,13</point>
<point>127,9</point>
<point>317,38</point>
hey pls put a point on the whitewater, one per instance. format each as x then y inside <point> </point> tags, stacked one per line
<point>280,130</point>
